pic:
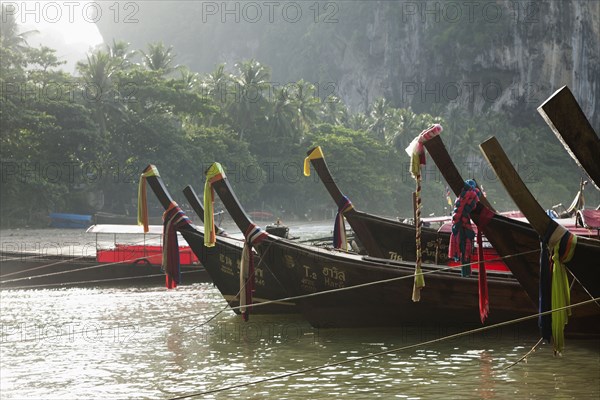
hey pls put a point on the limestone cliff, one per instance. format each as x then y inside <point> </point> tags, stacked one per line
<point>433,55</point>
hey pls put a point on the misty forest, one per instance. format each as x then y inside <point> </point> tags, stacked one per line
<point>361,82</point>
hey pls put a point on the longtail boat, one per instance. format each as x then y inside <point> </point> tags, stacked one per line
<point>583,263</point>
<point>352,294</point>
<point>570,125</point>
<point>387,238</point>
<point>222,262</point>
<point>516,239</point>
<point>382,237</point>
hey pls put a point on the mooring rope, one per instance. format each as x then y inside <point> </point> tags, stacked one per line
<point>378,354</point>
<point>533,349</point>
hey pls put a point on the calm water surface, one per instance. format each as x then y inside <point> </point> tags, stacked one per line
<point>152,343</point>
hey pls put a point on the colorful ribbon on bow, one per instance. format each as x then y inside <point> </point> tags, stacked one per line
<point>416,152</point>
<point>174,219</point>
<point>314,155</point>
<point>213,174</point>
<point>461,239</point>
<point>485,216</point>
<point>254,235</point>
<point>562,245</point>
<point>142,207</point>
<point>339,228</point>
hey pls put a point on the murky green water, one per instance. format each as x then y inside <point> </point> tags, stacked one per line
<point>153,343</point>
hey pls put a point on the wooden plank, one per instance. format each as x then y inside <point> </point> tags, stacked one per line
<point>437,150</point>
<point>515,186</point>
<point>320,166</point>
<point>192,198</point>
<point>570,125</point>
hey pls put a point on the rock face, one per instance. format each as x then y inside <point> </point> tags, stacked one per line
<point>434,55</point>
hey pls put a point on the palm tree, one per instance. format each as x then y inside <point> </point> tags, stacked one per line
<point>10,35</point>
<point>306,104</point>
<point>407,125</point>
<point>333,111</point>
<point>379,118</point>
<point>119,50</point>
<point>249,103</point>
<point>188,79</point>
<point>159,58</point>
<point>97,75</point>
<point>358,122</point>
<point>215,84</point>
<point>281,114</point>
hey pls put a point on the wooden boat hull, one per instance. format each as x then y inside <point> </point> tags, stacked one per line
<point>70,221</point>
<point>383,237</point>
<point>26,271</point>
<point>222,264</point>
<point>396,240</point>
<point>447,298</point>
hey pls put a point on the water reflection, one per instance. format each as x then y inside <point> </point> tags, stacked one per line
<point>154,343</point>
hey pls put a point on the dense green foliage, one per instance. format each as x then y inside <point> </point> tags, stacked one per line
<point>77,143</point>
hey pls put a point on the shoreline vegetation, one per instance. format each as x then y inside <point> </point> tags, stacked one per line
<point>77,143</point>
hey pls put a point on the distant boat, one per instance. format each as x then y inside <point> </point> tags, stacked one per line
<point>122,264</point>
<point>70,221</point>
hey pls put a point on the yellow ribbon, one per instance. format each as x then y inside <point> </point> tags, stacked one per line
<point>314,155</point>
<point>561,296</point>
<point>142,216</point>
<point>213,174</point>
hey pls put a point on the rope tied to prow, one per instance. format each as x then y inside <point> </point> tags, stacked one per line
<point>416,152</point>
<point>254,235</point>
<point>339,227</point>
<point>174,219</point>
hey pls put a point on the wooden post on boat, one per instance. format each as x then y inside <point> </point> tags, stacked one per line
<point>514,185</point>
<point>437,150</point>
<point>570,125</point>
<point>192,198</point>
